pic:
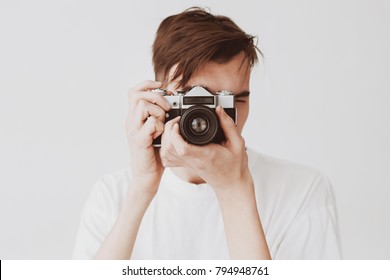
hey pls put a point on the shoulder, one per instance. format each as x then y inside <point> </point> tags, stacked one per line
<point>100,212</point>
<point>117,179</point>
<point>109,191</point>
<point>270,166</point>
<point>295,185</point>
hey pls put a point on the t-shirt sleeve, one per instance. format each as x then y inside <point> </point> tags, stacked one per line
<point>94,223</point>
<point>316,234</point>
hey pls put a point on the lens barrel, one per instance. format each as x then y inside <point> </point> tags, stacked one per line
<point>199,125</point>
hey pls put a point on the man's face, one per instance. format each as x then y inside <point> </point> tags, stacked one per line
<point>233,75</point>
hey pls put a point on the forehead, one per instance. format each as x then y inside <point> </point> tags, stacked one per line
<point>232,75</point>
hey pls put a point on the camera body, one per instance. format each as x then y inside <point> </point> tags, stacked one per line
<point>199,123</point>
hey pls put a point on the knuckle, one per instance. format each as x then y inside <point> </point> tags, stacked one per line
<point>161,111</point>
<point>155,95</point>
<point>161,100</point>
<point>153,121</point>
<point>142,104</point>
<point>183,152</point>
<point>240,143</point>
<point>160,114</point>
<point>160,125</point>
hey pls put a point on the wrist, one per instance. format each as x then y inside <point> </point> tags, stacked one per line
<point>145,183</point>
<point>238,194</point>
<point>243,184</point>
<point>141,192</point>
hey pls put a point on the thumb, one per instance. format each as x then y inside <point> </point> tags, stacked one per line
<point>228,126</point>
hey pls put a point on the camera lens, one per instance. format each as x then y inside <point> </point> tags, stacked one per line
<point>199,125</point>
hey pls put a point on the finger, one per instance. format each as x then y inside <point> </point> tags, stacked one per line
<point>165,138</point>
<point>184,149</point>
<point>147,85</point>
<point>177,141</point>
<point>166,144</point>
<point>152,128</point>
<point>188,155</point>
<point>228,126</point>
<point>138,92</point>
<point>145,109</point>
<point>165,141</point>
<point>153,98</point>
<point>192,155</point>
<point>169,124</point>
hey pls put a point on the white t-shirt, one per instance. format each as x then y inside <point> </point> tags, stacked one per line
<point>296,205</point>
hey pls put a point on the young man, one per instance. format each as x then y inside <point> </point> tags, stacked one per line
<point>215,201</point>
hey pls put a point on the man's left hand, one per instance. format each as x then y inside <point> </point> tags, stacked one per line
<point>223,166</point>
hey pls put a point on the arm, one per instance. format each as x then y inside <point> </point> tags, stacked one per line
<point>244,232</point>
<point>224,167</point>
<point>145,122</point>
<point>120,241</point>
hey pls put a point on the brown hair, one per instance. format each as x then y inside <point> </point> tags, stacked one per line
<point>194,37</point>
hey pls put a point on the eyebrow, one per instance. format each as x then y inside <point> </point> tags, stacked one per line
<point>242,94</point>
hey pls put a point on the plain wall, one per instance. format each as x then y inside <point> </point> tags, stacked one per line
<point>321,97</point>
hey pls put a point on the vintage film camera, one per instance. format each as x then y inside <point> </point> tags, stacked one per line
<point>199,124</point>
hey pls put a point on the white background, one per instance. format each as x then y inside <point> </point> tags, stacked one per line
<point>280,270</point>
<point>321,97</point>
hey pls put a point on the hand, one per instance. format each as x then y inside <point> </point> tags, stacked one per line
<point>223,166</point>
<point>145,122</point>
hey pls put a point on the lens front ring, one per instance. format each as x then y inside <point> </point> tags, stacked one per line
<point>199,125</point>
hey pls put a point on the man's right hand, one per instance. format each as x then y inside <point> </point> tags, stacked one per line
<point>145,122</point>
